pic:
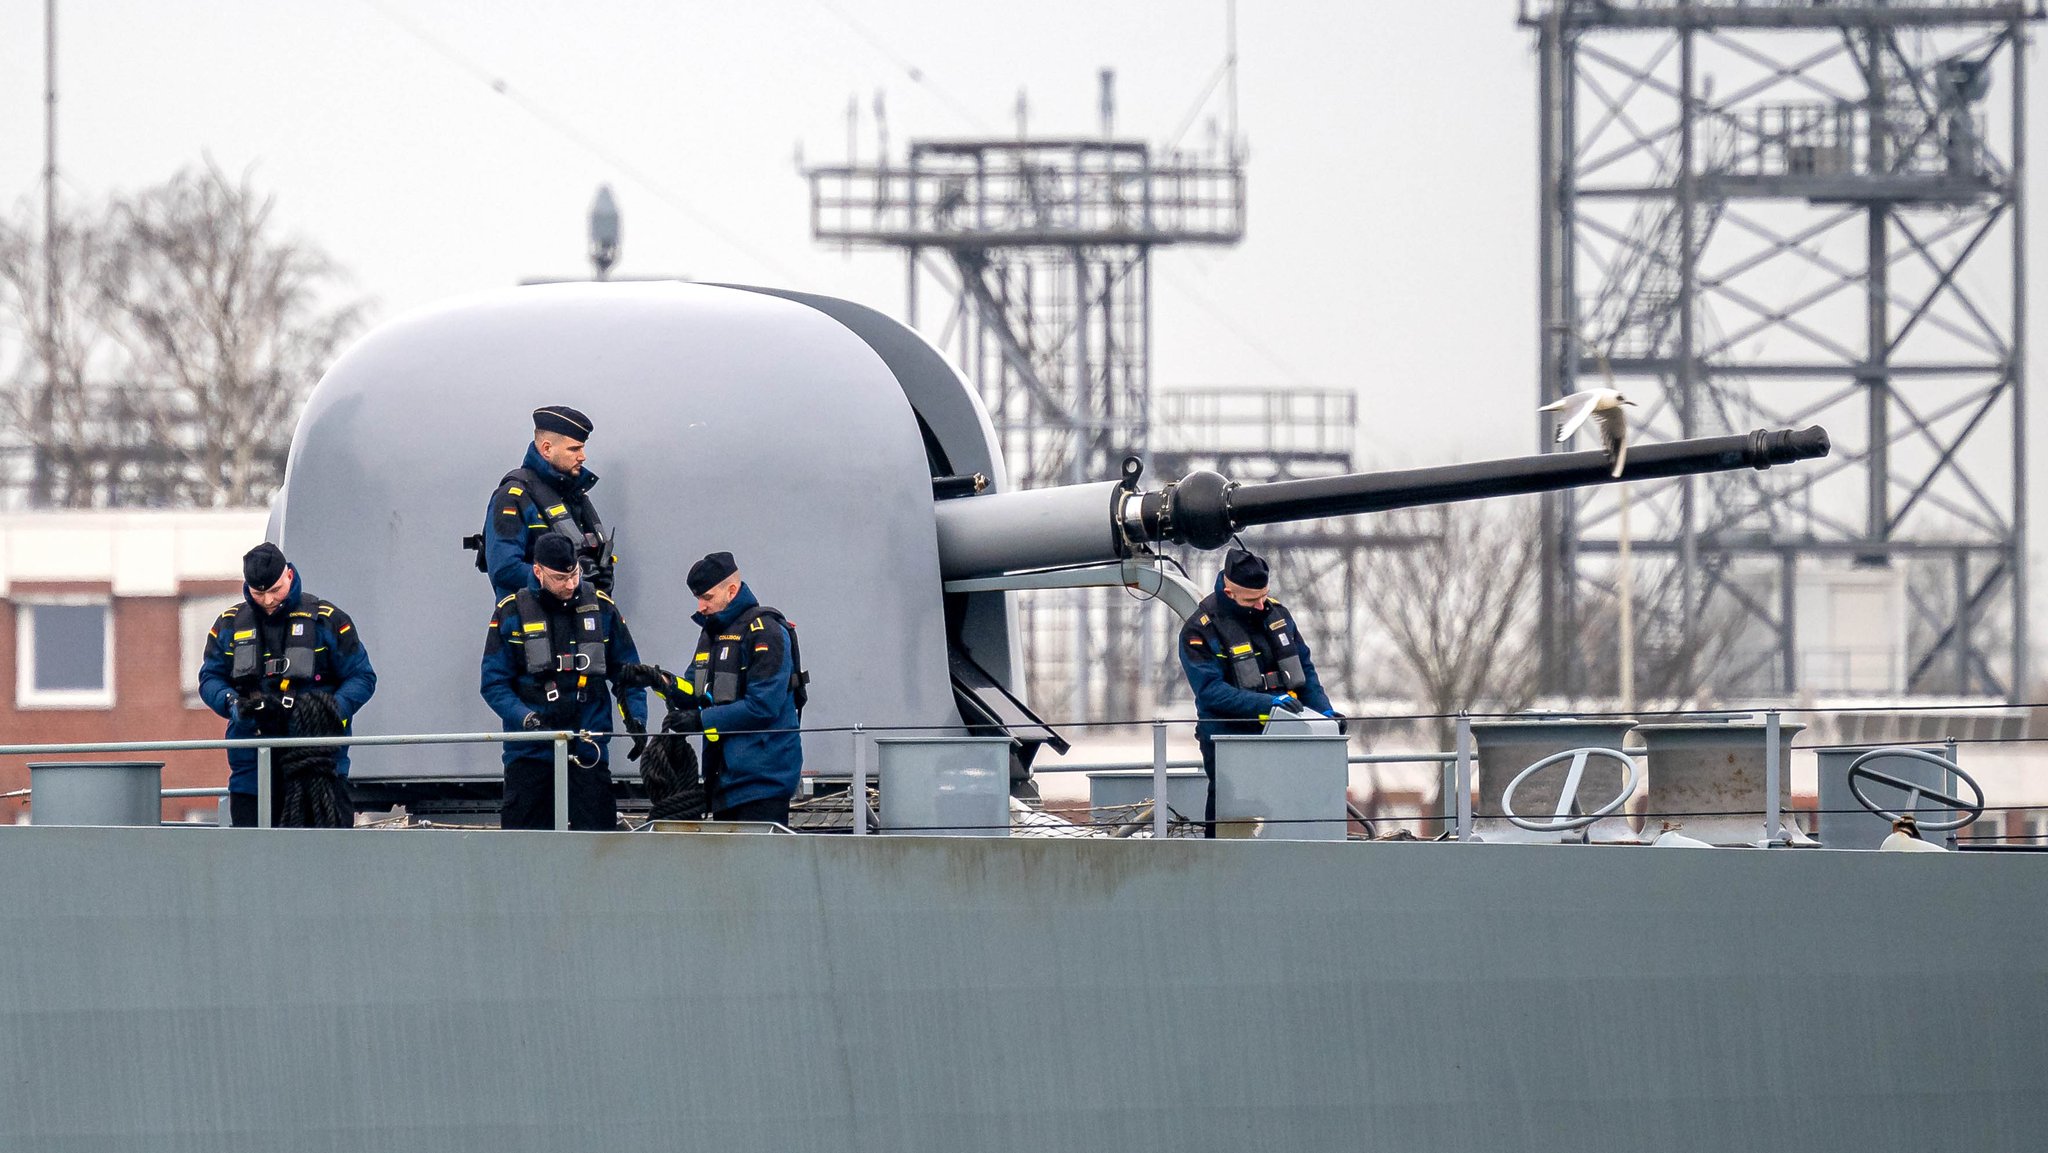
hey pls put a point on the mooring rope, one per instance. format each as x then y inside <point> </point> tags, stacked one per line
<point>669,769</point>
<point>313,794</point>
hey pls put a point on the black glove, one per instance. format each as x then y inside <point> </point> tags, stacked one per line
<point>683,720</point>
<point>530,722</point>
<point>644,677</point>
<point>638,728</point>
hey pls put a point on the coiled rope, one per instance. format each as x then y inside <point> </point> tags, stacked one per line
<point>313,796</point>
<point>675,784</point>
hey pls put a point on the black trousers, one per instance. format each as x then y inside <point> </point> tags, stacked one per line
<point>530,797</point>
<point>766,809</point>
<point>1209,770</point>
<point>242,806</point>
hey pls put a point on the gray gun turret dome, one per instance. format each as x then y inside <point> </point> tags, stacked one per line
<point>725,419</point>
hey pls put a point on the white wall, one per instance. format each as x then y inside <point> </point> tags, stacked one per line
<point>140,552</point>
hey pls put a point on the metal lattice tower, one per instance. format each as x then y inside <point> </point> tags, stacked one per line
<point>1256,435</point>
<point>1762,214</point>
<point>1043,248</point>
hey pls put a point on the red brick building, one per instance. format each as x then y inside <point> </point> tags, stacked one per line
<point>103,620</point>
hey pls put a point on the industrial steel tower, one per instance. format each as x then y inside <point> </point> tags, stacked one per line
<point>1760,214</point>
<point>1042,248</point>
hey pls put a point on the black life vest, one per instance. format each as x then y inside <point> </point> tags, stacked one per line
<point>719,669</point>
<point>1264,659</point>
<point>574,661</point>
<point>294,637</point>
<point>586,532</point>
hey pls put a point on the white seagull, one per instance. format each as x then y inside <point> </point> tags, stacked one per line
<point>1604,405</point>
<point>1905,838</point>
<point>1671,838</point>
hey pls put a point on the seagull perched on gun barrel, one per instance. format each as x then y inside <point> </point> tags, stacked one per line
<point>1604,405</point>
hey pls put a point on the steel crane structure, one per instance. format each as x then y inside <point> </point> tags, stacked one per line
<point>1755,213</point>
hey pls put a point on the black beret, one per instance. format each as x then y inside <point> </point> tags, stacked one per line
<point>706,574</point>
<point>1244,569</point>
<point>553,551</point>
<point>560,418</point>
<point>262,565</point>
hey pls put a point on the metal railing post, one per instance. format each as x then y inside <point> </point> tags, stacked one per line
<point>562,781</point>
<point>1464,776</point>
<point>1948,785</point>
<point>1447,790</point>
<point>1773,773</point>
<point>1158,779</point>
<point>263,786</point>
<point>858,791</point>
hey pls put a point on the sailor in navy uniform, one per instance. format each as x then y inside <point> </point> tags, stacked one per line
<point>1244,657</point>
<point>279,641</point>
<point>548,493</point>
<point>553,650</point>
<point>747,687</point>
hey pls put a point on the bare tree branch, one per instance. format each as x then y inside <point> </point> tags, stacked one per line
<point>1457,609</point>
<point>189,334</point>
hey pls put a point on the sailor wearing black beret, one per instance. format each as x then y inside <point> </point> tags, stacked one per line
<point>553,661</point>
<point>709,573</point>
<point>745,692</point>
<point>549,493</point>
<point>1245,569</point>
<point>563,421</point>
<point>277,658</point>
<point>1245,658</point>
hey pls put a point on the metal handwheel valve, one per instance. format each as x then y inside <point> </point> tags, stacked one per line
<point>1566,817</point>
<point>1914,792</point>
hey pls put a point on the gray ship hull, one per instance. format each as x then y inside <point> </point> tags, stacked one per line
<point>235,990</point>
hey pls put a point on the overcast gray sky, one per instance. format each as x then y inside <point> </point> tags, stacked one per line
<point>437,147</point>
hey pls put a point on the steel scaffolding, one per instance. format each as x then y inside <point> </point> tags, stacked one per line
<point>1770,213</point>
<point>1042,248</point>
<point>1046,248</point>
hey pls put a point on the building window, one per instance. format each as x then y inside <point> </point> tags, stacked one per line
<point>2035,829</point>
<point>64,653</point>
<point>1988,829</point>
<point>195,619</point>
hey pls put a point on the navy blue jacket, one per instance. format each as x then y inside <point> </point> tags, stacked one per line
<point>514,522</point>
<point>1220,705</point>
<point>757,764</point>
<point>341,668</point>
<point>512,694</point>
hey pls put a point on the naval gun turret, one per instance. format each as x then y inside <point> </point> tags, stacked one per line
<point>826,445</point>
<point>1080,524</point>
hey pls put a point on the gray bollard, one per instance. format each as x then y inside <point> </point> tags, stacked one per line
<point>1505,748</point>
<point>96,792</point>
<point>945,786</point>
<point>1282,788</point>
<point>1709,776</point>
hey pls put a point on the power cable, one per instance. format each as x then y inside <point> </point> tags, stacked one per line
<point>911,71</point>
<point>561,126</point>
<point>1201,102</point>
<point>1230,325</point>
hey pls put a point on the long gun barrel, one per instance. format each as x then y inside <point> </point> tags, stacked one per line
<point>1093,523</point>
